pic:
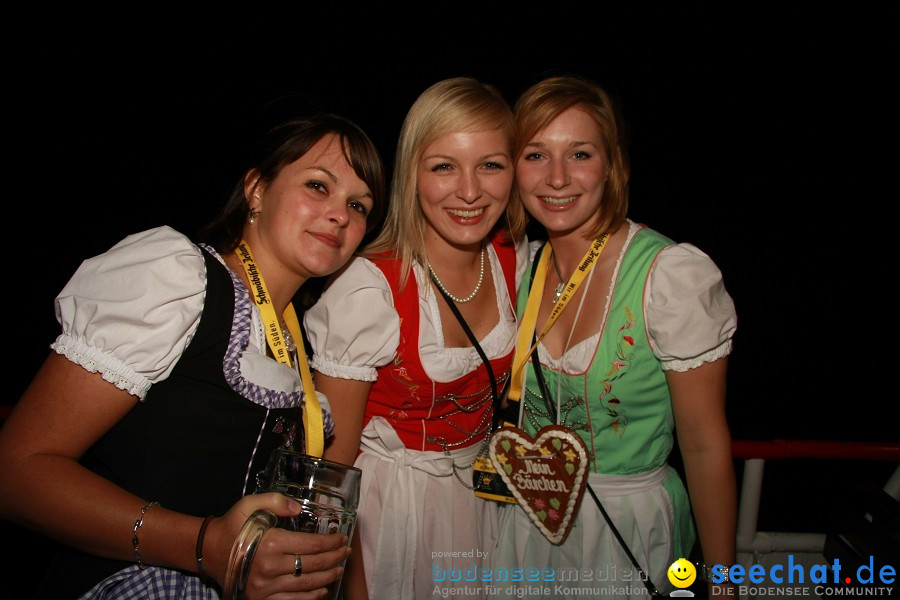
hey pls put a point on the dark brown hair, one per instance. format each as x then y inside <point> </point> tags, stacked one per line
<point>281,146</point>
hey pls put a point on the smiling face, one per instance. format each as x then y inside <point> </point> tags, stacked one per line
<point>312,215</point>
<point>682,573</point>
<point>464,180</point>
<point>562,173</point>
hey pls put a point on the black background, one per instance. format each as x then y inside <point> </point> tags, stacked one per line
<point>754,135</point>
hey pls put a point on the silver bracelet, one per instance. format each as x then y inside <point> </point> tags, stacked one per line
<point>705,574</point>
<point>134,535</point>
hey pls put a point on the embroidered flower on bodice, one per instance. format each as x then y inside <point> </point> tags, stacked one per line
<point>618,369</point>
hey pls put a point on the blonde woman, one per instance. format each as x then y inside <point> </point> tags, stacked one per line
<point>413,400</point>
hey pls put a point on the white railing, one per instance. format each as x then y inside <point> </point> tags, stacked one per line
<point>765,548</point>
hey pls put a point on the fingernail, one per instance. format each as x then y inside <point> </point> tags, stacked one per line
<point>294,506</point>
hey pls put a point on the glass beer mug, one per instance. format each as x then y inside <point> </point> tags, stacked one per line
<point>328,494</point>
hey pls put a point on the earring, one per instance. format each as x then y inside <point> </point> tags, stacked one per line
<point>253,214</point>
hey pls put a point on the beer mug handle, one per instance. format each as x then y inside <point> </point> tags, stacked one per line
<point>243,550</point>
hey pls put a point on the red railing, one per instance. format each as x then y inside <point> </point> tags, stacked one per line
<point>754,453</point>
<point>775,449</point>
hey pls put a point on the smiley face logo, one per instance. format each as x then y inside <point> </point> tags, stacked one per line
<point>682,573</point>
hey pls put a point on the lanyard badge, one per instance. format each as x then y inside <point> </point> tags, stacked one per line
<point>313,426</point>
<point>546,474</point>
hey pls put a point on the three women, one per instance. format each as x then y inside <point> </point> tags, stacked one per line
<point>413,344</point>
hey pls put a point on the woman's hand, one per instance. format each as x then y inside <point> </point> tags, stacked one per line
<point>272,567</point>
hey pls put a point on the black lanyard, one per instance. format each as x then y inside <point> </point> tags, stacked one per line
<point>484,358</point>
<point>538,372</point>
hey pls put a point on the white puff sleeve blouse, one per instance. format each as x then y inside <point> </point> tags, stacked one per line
<point>690,317</point>
<point>130,312</point>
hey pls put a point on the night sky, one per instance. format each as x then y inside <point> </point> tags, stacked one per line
<point>754,136</point>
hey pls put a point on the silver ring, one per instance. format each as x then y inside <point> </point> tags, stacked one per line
<point>298,567</point>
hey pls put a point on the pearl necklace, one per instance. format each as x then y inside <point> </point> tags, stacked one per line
<point>471,296</point>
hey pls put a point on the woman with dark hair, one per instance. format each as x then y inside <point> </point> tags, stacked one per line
<point>176,375</point>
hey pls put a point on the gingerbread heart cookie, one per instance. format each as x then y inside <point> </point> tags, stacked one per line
<point>547,474</point>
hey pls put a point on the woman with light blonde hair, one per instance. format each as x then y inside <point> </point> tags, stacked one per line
<point>452,105</point>
<point>414,339</point>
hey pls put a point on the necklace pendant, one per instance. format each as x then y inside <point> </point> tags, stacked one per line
<point>289,343</point>
<point>558,291</point>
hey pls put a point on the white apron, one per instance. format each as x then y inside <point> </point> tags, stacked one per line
<point>422,531</point>
<point>591,557</point>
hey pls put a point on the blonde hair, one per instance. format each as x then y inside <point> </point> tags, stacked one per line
<point>459,104</point>
<point>546,100</point>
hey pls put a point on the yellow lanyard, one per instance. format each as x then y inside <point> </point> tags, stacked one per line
<point>529,319</point>
<point>313,427</point>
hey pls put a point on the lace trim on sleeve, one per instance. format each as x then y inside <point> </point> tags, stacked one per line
<point>692,363</point>
<point>111,368</point>
<point>333,369</point>
<point>354,328</point>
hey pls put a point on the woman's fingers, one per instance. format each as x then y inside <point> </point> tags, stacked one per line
<point>279,504</point>
<point>321,559</point>
<point>318,552</point>
<point>286,561</point>
<point>316,563</point>
<point>318,571</point>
